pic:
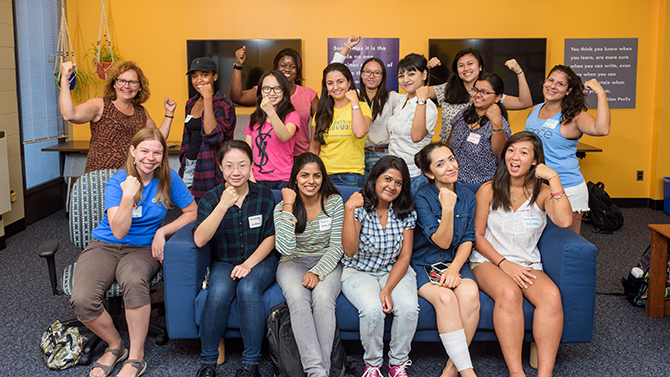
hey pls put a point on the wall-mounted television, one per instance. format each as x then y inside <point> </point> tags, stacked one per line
<point>260,58</point>
<point>530,53</point>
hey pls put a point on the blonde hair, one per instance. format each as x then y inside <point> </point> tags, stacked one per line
<point>162,172</point>
<point>119,68</point>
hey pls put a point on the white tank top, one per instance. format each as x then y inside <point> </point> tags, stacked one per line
<point>515,234</point>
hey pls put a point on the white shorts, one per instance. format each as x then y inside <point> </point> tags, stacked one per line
<point>579,197</point>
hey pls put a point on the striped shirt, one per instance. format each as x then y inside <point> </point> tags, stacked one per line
<point>378,248</point>
<point>322,236</point>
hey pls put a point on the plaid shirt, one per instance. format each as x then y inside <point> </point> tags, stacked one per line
<point>207,174</point>
<point>378,248</point>
<point>241,230</point>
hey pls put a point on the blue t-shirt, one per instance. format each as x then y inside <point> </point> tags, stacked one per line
<point>429,215</point>
<point>149,215</point>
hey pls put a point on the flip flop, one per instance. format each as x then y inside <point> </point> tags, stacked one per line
<point>140,365</point>
<point>121,355</point>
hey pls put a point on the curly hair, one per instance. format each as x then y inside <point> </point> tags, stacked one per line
<point>574,101</point>
<point>117,70</point>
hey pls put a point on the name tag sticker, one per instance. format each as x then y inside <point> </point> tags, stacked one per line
<point>531,222</point>
<point>255,221</point>
<point>137,212</point>
<point>550,123</point>
<point>474,138</point>
<point>325,224</point>
<point>188,117</point>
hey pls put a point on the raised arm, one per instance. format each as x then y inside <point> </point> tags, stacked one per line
<point>209,225</point>
<point>88,111</point>
<point>121,217</point>
<point>360,124</point>
<point>283,131</point>
<point>600,126</point>
<point>524,100</point>
<point>351,228</point>
<point>556,203</point>
<point>247,97</point>
<point>498,137</point>
<point>445,231</point>
<point>170,106</point>
<point>432,63</point>
<point>348,46</point>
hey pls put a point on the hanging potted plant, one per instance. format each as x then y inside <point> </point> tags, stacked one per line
<point>103,57</point>
<point>104,54</point>
<point>80,79</point>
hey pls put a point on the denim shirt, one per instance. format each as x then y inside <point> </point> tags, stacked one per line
<point>429,214</point>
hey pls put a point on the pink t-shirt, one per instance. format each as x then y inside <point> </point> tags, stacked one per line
<point>302,101</point>
<point>273,158</point>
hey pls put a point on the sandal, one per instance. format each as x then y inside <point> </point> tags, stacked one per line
<point>121,355</point>
<point>140,365</point>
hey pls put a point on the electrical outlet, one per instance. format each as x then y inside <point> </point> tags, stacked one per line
<point>12,196</point>
<point>640,175</point>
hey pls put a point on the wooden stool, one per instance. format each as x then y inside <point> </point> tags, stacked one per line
<point>657,306</point>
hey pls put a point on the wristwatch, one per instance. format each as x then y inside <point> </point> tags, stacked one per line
<point>420,101</point>
<point>238,67</point>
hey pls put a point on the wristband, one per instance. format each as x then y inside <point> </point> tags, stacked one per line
<point>498,129</point>
<point>519,73</point>
<point>169,116</point>
<point>238,67</point>
<point>355,107</point>
<point>502,260</point>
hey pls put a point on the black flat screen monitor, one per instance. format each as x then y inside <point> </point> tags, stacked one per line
<point>530,53</point>
<point>260,58</point>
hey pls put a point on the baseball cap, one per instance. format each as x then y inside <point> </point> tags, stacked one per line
<point>204,64</point>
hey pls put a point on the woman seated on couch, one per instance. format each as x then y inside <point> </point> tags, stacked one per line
<point>308,222</point>
<point>235,218</point>
<point>511,215</point>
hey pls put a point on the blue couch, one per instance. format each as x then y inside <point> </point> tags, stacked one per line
<point>568,259</point>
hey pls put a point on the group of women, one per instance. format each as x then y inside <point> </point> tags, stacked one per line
<point>366,248</point>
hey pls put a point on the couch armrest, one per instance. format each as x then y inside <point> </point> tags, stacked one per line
<point>570,261</point>
<point>184,268</point>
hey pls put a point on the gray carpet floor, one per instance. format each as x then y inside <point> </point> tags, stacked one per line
<point>625,342</point>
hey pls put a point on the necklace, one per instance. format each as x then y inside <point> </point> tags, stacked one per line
<point>523,192</point>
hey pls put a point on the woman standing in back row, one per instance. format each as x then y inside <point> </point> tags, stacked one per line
<point>560,122</point>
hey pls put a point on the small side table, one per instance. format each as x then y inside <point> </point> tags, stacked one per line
<point>657,306</point>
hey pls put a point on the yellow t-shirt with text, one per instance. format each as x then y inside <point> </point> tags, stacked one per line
<point>343,152</point>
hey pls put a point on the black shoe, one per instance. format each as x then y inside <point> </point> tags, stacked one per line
<point>206,371</point>
<point>248,370</point>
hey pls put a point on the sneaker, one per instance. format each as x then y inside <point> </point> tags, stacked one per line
<point>399,370</point>
<point>248,370</point>
<point>371,371</point>
<point>206,371</point>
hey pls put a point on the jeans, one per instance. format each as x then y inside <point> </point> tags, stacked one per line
<point>371,158</point>
<point>416,182</point>
<point>249,291</point>
<point>362,289</point>
<point>347,179</point>
<point>273,185</point>
<point>312,312</point>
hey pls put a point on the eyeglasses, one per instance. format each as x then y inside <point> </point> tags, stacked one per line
<point>484,92</point>
<point>132,83</point>
<point>368,72</point>
<point>241,167</point>
<point>268,89</point>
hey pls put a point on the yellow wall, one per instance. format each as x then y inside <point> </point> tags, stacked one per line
<point>154,33</point>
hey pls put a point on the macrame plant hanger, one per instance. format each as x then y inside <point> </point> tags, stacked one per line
<point>64,51</point>
<point>102,67</point>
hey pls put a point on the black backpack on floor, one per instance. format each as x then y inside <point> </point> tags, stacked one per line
<point>605,216</point>
<point>284,352</point>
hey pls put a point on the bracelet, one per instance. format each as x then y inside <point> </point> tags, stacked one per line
<point>169,116</point>
<point>552,177</point>
<point>238,67</point>
<point>558,193</point>
<point>349,47</point>
<point>519,73</point>
<point>498,129</point>
<point>355,107</point>
<point>502,260</point>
